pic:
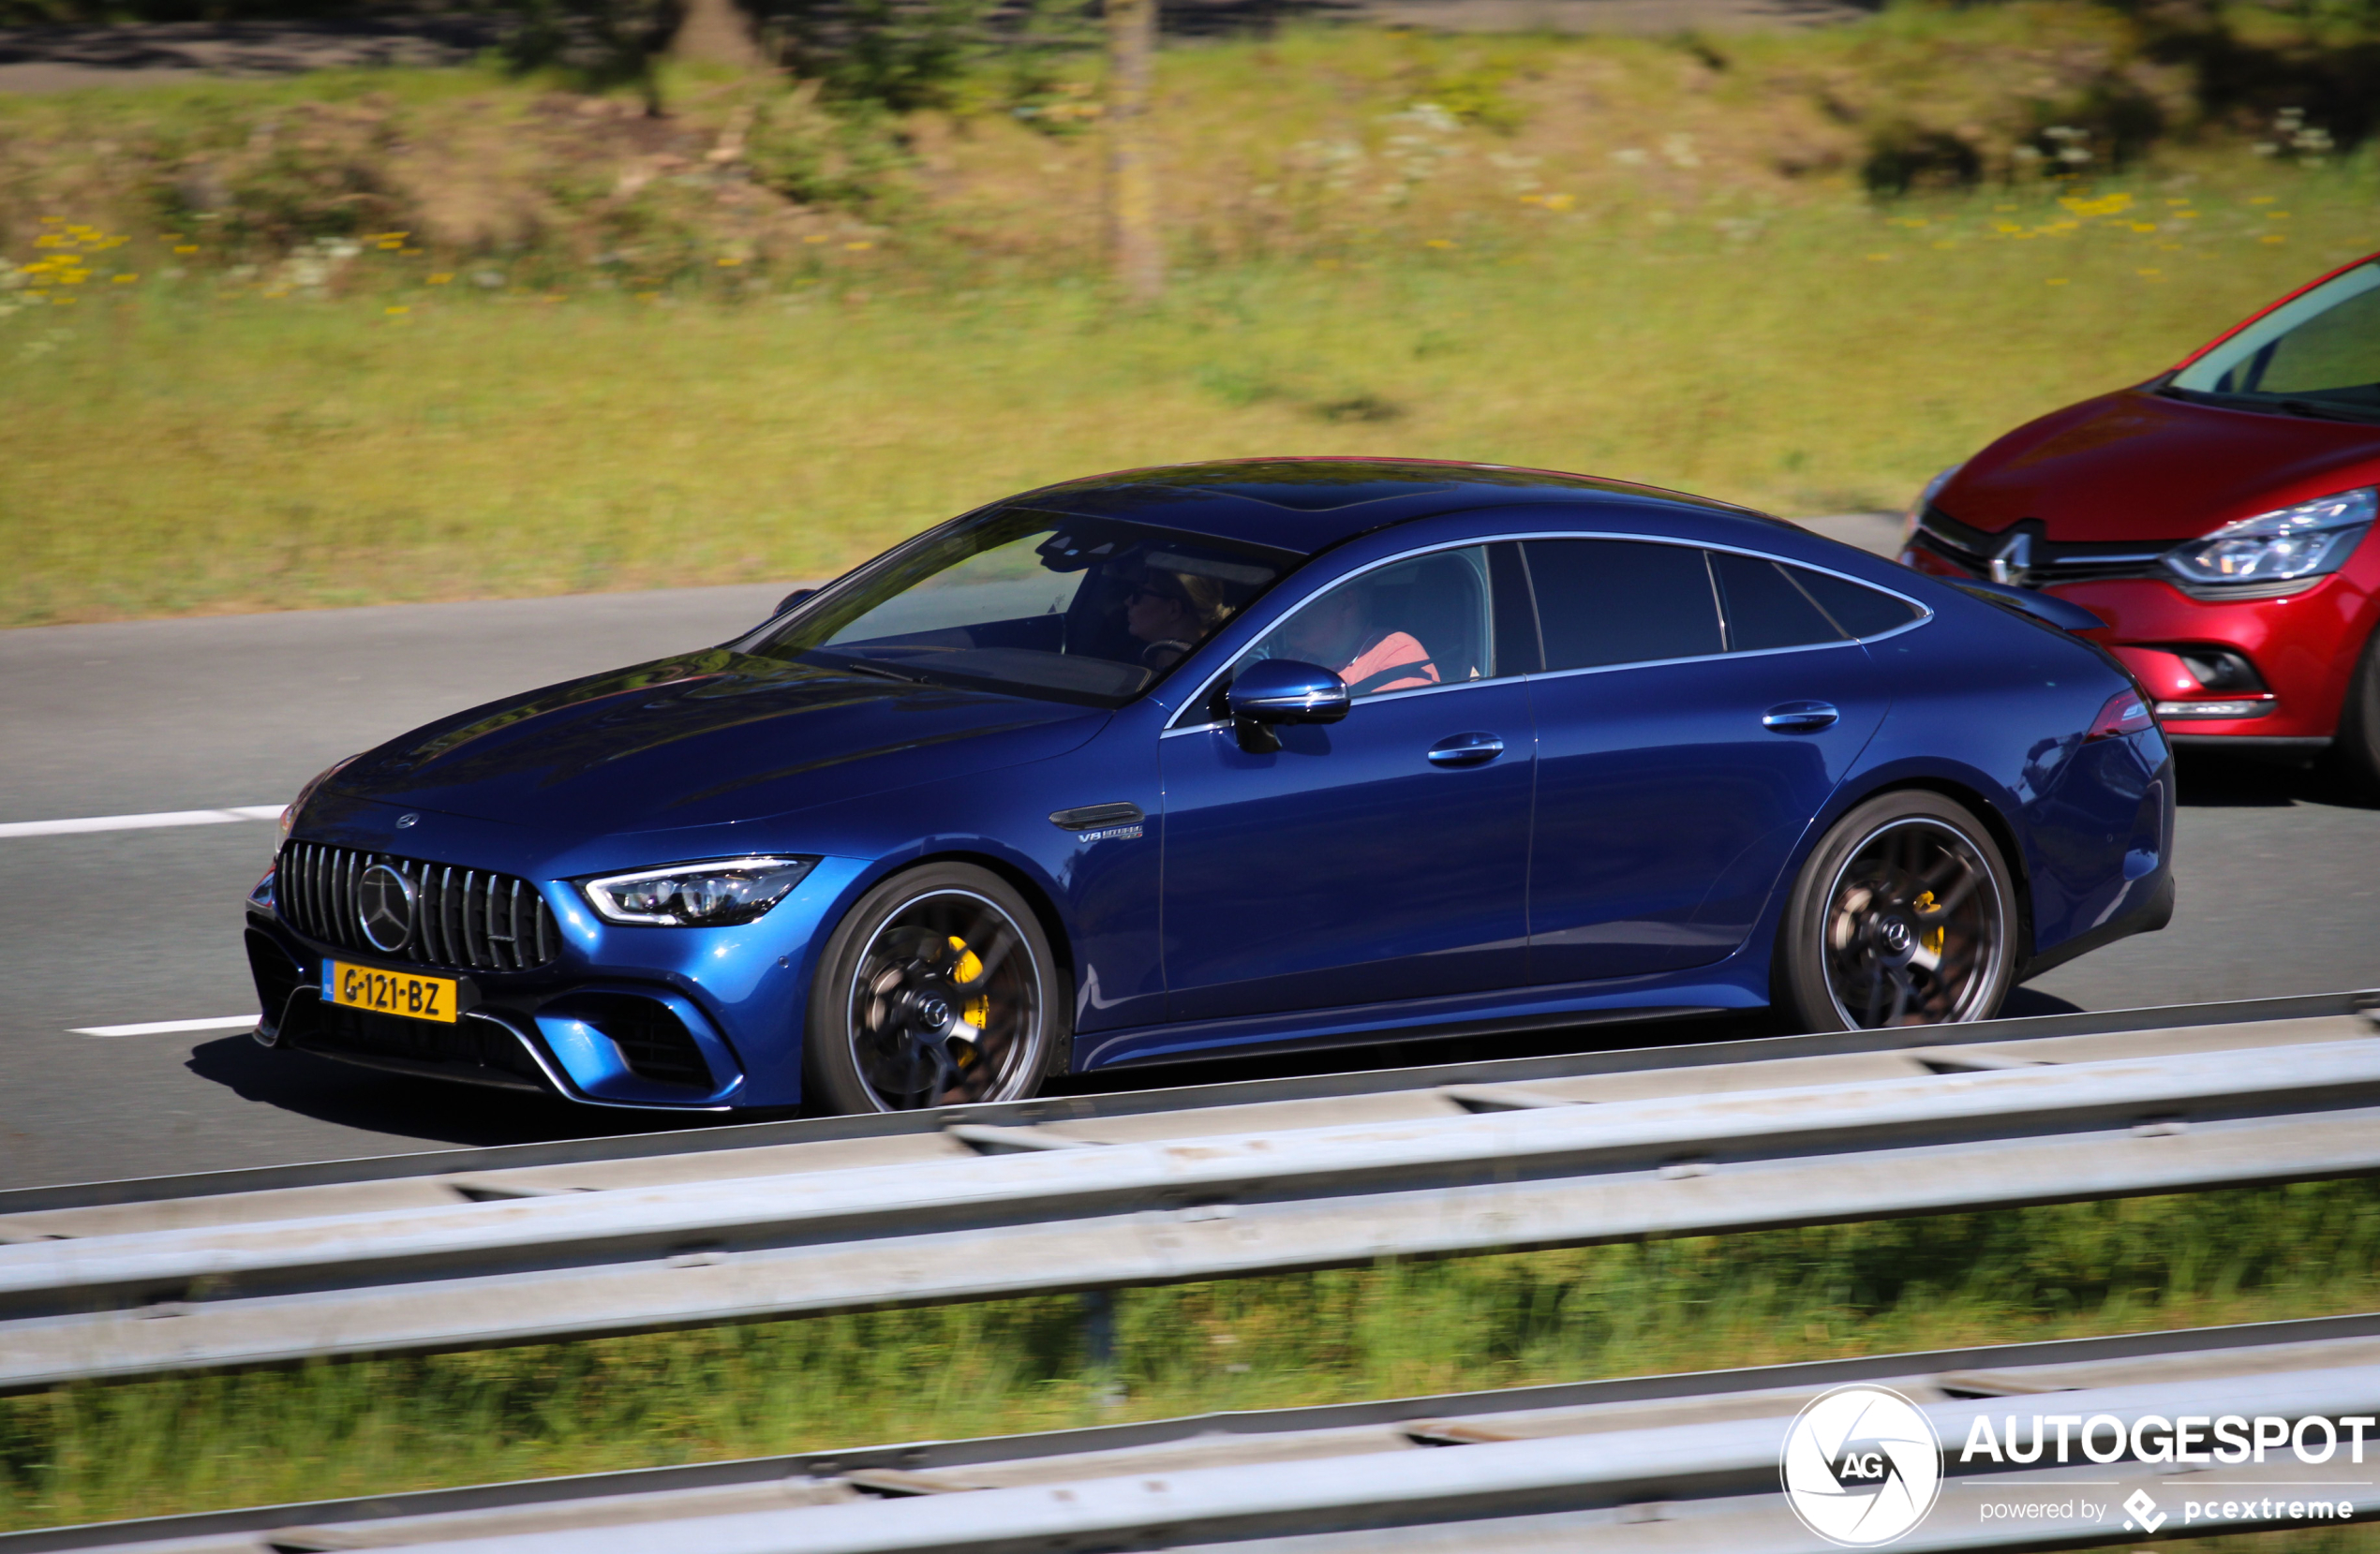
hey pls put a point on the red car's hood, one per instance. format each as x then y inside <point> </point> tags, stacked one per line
<point>2138,465</point>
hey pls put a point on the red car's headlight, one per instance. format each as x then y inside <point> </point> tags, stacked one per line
<point>2280,546</point>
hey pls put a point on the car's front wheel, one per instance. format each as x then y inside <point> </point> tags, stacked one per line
<point>2356,752</point>
<point>938,988</point>
<point>1905,914</point>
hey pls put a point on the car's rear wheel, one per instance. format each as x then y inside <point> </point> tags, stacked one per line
<point>2354,753</point>
<point>938,988</point>
<point>1905,914</point>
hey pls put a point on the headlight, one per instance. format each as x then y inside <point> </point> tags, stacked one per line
<point>290,815</point>
<point>1926,499</point>
<point>713,895</point>
<point>2287,543</point>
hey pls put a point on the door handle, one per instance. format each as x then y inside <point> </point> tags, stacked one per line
<point>1465,749</point>
<point>1800,716</point>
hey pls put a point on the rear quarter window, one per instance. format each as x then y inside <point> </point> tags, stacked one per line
<point>1766,607</point>
<point>1859,610</point>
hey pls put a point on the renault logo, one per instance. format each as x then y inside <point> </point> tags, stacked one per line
<point>2010,562</point>
<point>385,907</point>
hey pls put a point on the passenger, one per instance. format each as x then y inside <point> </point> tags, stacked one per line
<point>1332,631</point>
<point>1170,612</point>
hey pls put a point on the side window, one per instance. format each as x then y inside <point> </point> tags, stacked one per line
<point>1763,608</point>
<point>1618,601</point>
<point>1416,623</point>
<point>1860,611</point>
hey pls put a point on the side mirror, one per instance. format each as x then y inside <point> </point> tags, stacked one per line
<point>1283,690</point>
<point>790,600</point>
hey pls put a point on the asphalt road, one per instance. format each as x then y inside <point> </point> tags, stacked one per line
<point>2279,892</point>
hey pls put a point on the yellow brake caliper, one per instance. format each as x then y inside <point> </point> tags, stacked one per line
<point>977,1011</point>
<point>1930,939</point>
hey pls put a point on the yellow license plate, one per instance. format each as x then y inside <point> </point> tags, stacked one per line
<point>416,997</point>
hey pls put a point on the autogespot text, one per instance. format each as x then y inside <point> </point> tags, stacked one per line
<point>2228,1438</point>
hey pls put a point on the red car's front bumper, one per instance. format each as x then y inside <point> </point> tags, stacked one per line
<point>2303,647</point>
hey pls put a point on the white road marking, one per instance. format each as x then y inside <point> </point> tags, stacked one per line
<point>142,822</point>
<point>168,1028</point>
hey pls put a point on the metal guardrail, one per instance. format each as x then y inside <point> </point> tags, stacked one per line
<point>1014,1210</point>
<point>1680,1464</point>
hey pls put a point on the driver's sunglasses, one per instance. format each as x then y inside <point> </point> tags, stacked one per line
<point>1145,591</point>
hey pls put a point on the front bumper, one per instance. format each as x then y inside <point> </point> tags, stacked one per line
<point>668,1019</point>
<point>608,1043</point>
<point>2303,648</point>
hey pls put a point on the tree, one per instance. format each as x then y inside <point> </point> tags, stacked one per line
<point>716,32</point>
<point>1132,182</point>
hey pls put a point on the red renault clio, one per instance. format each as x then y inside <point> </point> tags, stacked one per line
<point>2215,517</point>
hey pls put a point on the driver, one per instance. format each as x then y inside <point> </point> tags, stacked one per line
<point>1170,612</point>
<point>1334,631</point>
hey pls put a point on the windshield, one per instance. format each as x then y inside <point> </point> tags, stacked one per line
<point>2321,352</point>
<point>1089,610</point>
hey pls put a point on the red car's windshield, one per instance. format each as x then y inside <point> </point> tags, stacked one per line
<point>2317,353</point>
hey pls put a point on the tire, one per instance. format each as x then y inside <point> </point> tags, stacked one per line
<point>919,963</point>
<point>1905,914</point>
<point>2354,753</point>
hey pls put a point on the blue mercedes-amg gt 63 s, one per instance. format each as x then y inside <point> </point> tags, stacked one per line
<point>1219,758</point>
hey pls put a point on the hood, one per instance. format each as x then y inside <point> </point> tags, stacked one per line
<point>2136,465</point>
<point>704,739</point>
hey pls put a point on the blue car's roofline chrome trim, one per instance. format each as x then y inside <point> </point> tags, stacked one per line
<point>1926,614</point>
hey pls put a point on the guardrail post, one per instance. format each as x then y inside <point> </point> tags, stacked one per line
<point>1099,1348</point>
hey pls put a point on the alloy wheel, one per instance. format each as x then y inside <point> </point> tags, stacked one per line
<point>1913,925</point>
<point>945,1005</point>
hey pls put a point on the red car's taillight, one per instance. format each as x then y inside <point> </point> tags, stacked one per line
<point>2126,712</point>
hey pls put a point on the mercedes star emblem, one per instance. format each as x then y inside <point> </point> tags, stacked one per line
<point>403,821</point>
<point>385,907</point>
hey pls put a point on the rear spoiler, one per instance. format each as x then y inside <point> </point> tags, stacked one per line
<point>2043,607</point>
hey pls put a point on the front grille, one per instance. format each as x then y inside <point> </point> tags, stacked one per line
<point>462,917</point>
<point>2048,562</point>
<point>652,1041</point>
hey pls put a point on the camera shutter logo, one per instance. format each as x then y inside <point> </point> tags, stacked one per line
<point>1861,1466</point>
<point>385,907</point>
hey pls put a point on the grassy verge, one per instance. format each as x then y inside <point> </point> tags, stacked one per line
<point>202,444</point>
<point>372,1427</point>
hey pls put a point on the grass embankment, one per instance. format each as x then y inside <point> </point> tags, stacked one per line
<point>375,1427</point>
<point>440,334</point>
<point>177,446</point>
